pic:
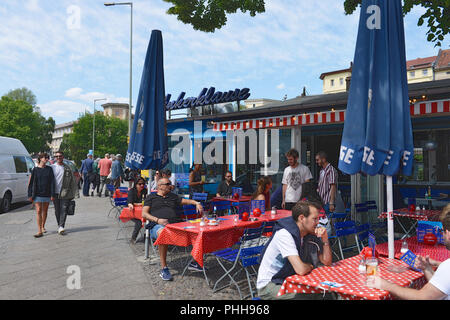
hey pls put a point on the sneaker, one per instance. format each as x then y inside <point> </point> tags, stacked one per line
<point>61,231</point>
<point>194,266</point>
<point>165,274</point>
<point>92,193</point>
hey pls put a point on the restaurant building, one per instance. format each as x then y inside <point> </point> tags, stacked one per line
<point>311,124</point>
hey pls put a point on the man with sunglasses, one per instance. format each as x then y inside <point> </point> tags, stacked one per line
<point>66,189</point>
<point>225,188</point>
<point>161,209</point>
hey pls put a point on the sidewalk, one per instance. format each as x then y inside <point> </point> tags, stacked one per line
<point>33,268</point>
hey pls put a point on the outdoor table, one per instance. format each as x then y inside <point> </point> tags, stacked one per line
<point>241,199</point>
<point>208,239</point>
<point>346,272</point>
<point>437,252</point>
<point>423,215</point>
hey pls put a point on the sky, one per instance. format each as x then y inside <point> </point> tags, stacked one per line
<point>70,52</point>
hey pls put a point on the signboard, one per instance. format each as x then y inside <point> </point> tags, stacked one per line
<point>207,97</point>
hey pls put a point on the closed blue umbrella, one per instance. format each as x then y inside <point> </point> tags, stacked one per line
<point>148,147</point>
<point>377,137</point>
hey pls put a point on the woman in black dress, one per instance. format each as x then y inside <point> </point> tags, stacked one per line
<point>41,190</point>
<point>136,195</point>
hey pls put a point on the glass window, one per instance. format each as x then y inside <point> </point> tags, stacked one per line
<point>332,82</point>
<point>341,81</point>
<point>21,164</point>
<point>412,73</point>
<point>30,164</point>
<point>425,72</point>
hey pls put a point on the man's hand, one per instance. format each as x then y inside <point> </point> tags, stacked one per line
<point>199,207</point>
<point>376,282</point>
<point>163,222</point>
<point>283,204</point>
<point>321,232</point>
<point>130,206</point>
<point>332,207</point>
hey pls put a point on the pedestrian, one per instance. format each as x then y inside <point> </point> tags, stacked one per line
<point>328,180</point>
<point>161,209</point>
<point>263,191</point>
<point>86,171</point>
<point>154,184</point>
<point>167,173</point>
<point>66,189</point>
<point>293,177</point>
<point>296,246</point>
<point>135,197</point>
<point>105,169</point>
<point>438,286</point>
<point>41,190</point>
<point>195,180</point>
<point>95,177</point>
<point>117,171</point>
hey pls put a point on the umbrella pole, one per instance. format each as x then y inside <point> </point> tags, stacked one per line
<point>390,216</point>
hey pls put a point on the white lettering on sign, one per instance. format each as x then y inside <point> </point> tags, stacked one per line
<point>346,154</point>
<point>388,157</point>
<point>368,156</point>
<point>406,155</point>
<point>374,21</point>
<point>135,157</point>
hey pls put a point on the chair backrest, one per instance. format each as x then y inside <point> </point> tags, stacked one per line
<point>221,205</point>
<point>200,196</point>
<point>363,231</point>
<point>345,228</point>
<point>110,187</point>
<point>123,189</point>
<point>361,207</point>
<point>371,205</point>
<point>251,234</point>
<point>268,226</point>
<point>189,211</point>
<point>118,202</point>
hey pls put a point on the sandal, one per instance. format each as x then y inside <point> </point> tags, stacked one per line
<point>38,235</point>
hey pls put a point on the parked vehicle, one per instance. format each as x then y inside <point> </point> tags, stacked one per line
<point>15,171</point>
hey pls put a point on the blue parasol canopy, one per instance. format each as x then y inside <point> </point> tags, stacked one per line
<point>377,137</point>
<point>148,147</point>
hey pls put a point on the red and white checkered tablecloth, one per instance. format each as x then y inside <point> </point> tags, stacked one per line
<point>346,272</point>
<point>208,239</point>
<point>437,252</point>
<point>416,215</point>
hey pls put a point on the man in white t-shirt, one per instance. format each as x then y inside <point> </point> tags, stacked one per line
<point>296,247</point>
<point>438,286</point>
<point>293,178</point>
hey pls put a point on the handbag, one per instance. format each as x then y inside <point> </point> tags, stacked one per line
<point>70,208</point>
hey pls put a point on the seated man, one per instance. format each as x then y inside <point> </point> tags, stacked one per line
<point>161,209</point>
<point>296,247</point>
<point>438,286</point>
<point>225,188</point>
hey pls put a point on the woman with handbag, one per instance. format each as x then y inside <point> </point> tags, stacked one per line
<point>66,189</point>
<point>41,190</point>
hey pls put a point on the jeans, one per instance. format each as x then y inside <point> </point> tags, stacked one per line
<point>86,183</point>
<point>103,181</point>
<point>60,212</point>
<point>137,228</point>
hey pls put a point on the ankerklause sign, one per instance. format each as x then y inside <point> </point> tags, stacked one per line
<point>207,97</point>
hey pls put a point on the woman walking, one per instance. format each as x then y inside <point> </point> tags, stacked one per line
<point>135,197</point>
<point>41,190</point>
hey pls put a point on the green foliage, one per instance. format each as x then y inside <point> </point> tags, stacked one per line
<point>209,15</point>
<point>437,16</point>
<point>110,137</point>
<point>19,120</point>
<point>23,94</point>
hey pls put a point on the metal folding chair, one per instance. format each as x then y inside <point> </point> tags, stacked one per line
<point>242,259</point>
<point>223,207</point>
<point>363,234</point>
<point>119,204</point>
<point>343,230</point>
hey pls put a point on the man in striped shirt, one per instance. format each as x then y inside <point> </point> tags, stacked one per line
<point>327,182</point>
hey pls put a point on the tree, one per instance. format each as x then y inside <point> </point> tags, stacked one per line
<point>23,94</point>
<point>437,16</point>
<point>18,120</point>
<point>209,15</point>
<point>110,137</point>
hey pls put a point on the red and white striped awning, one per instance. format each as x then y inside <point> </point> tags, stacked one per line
<point>321,118</point>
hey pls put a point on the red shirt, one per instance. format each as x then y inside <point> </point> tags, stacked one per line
<point>105,167</point>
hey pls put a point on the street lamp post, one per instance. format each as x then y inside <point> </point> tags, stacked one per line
<point>131,57</point>
<point>93,129</point>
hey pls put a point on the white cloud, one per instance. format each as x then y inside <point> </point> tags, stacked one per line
<point>281,86</point>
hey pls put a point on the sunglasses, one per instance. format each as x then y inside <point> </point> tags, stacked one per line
<point>59,156</point>
<point>166,184</point>
<point>140,184</point>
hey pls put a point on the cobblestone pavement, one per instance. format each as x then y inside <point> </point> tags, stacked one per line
<point>110,269</point>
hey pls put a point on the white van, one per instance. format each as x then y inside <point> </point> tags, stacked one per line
<point>15,171</point>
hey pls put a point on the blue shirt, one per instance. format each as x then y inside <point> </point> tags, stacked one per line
<point>86,165</point>
<point>116,169</point>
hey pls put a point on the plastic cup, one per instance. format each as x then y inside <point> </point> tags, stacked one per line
<point>371,267</point>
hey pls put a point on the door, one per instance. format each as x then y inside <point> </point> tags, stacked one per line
<point>22,177</point>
